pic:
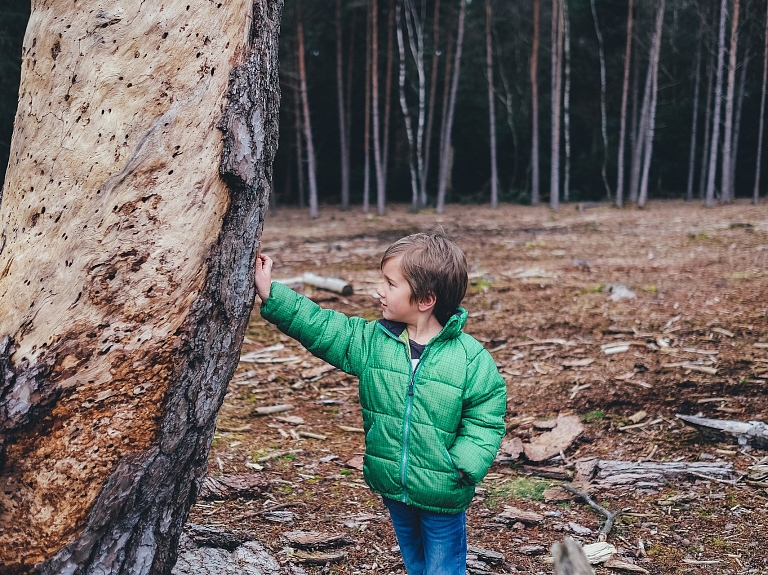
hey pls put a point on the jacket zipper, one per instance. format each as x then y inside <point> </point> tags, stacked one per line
<point>412,374</point>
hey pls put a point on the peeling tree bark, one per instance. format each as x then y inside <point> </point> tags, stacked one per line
<point>129,231</point>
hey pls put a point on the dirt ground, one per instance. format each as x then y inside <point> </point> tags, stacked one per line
<point>700,284</point>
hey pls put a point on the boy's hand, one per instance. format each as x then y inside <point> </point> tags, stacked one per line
<point>263,276</point>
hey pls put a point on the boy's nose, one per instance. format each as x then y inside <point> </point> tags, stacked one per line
<point>380,291</point>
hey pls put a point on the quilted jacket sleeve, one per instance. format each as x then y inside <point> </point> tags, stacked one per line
<point>328,334</point>
<point>482,421</point>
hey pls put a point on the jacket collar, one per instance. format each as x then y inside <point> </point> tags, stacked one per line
<point>450,330</point>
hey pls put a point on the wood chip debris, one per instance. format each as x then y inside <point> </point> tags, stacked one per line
<point>584,362</point>
<point>514,514</point>
<point>316,557</point>
<point>761,345</point>
<point>551,443</point>
<point>317,539</point>
<point>624,566</point>
<point>724,332</point>
<point>349,429</point>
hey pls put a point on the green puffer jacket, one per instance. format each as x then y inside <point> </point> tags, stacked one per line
<point>420,428</point>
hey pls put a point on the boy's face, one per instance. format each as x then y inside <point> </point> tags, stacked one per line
<point>395,294</point>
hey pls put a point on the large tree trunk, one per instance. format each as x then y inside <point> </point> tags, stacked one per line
<point>651,125</point>
<point>447,155</point>
<point>712,162</point>
<point>603,113</point>
<point>557,94</point>
<point>129,231</point>
<point>756,190</point>
<point>343,132</point>
<point>491,105</point>
<point>694,126</point>
<point>624,99</point>
<point>535,181</point>
<point>311,165</point>
<point>567,102</point>
<point>725,176</point>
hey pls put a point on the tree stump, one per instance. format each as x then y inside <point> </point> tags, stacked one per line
<point>140,170</point>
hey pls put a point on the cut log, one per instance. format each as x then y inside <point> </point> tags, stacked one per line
<point>753,433</point>
<point>336,285</point>
<point>648,475</point>
<point>233,487</point>
<point>139,175</point>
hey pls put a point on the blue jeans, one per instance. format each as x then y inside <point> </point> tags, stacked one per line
<point>430,543</point>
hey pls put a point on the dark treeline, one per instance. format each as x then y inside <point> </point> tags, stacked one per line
<point>390,120</point>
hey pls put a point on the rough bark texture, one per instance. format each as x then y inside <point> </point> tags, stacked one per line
<point>725,176</point>
<point>715,140</point>
<point>129,233</point>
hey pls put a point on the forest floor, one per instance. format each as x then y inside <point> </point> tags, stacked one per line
<point>700,284</point>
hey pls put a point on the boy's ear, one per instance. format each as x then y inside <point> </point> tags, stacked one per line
<point>428,303</point>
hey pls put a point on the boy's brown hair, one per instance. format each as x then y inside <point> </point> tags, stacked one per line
<point>432,264</point>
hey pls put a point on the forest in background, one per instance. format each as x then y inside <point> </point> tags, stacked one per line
<point>354,49</point>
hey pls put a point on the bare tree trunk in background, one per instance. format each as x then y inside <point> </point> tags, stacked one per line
<point>642,131</point>
<point>758,161</point>
<point>299,144</point>
<point>350,78</point>
<point>567,102</point>
<point>694,124</point>
<point>634,128</point>
<point>603,113</point>
<point>381,198</point>
<point>388,89</point>
<point>432,93</point>
<point>725,176</point>
<point>342,115</point>
<point>142,250</point>
<point>406,112</point>
<point>557,94</point>
<point>712,165</point>
<point>446,97</point>
<point>624,99</point>
<point>707,122</point>
<point>535,184</point>
<point>311,167</point>
<point>414,22</point>
<point>491,104</point>
<point>651,126</point>
<point>445,163</point>
<point>737,116</point>
<point>367,122</point>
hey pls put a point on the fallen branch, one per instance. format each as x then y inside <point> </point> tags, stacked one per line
<point>610,518</point>
<point>607,474</point>
<point>754,433</point>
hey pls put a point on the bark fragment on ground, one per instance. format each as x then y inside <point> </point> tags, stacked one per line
<point>753,433</point>
<point>607,474</point>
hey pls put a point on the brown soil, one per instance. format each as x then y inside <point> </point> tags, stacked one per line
<point>707,268</point>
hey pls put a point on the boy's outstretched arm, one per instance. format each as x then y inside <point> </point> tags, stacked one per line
<point>328,334</point>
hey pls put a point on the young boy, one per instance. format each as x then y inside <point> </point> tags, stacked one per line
<point>433,401</point>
